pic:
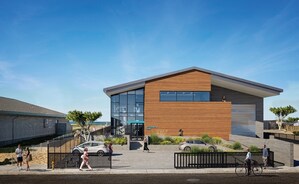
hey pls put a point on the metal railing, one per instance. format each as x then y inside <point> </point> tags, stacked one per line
<point>60,154</point>
<point>216,159</point>
<point>287,137</point>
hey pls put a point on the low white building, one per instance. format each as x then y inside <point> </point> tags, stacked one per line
<point>21,121</point>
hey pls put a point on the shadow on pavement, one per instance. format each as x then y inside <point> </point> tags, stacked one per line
<point>296,163</point>
<point>116,154</point>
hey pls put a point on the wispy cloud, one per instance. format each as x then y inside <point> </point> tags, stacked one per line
<point>10,75</point>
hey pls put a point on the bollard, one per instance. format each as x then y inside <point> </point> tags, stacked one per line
<point>52,164</point>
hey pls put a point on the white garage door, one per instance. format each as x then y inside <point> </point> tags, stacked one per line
<point>243,120</point>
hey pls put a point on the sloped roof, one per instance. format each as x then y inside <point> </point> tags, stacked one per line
<point>16,107</point>
<point>218,79</point>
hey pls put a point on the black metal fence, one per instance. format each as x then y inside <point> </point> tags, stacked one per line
<point>216,159</point>
<point>60,154</point>
<point>287,137</point>
<point>70,160</point>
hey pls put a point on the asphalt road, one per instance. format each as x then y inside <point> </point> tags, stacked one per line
<point>150,179</point>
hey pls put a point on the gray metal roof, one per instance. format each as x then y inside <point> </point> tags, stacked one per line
<point>9,106</point>
<point>218,79</point>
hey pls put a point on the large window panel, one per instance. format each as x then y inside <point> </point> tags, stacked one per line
<point>115,107</point>
<point>201,96</point>
<point>139,95</point>
<point>139,108</point>
<point>115,98</point>
<point>185,96</point>
<point>167,96</point>
<point>123,102</point>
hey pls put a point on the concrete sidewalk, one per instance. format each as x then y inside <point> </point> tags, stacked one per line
<point>42,170</point>
<point>136,162</point>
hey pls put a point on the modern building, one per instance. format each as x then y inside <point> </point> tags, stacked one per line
<point>196,100</point>
<point>21,121</point>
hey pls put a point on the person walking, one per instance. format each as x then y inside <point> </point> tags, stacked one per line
<point>19,153</point>
<point>265,156</point>
<point>248,161</point>
<point>85,160</point>
<point>110,148</point>
<point>145,148</point>
<point>28,158</point>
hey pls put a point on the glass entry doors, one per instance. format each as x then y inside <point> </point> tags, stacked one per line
<point>136,131</point>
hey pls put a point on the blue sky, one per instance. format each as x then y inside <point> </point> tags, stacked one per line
<point>61,54</point>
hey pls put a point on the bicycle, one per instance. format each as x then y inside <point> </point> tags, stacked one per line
<point>242,170</point>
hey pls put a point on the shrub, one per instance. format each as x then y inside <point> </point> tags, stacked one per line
<point>169,139</point>
<point>177,140</point>
<point>165,142</point>
<point>108,140</point>
<point>296,132</point>
<point>237,146</point>
<point>154,139</point>
<point>217,140</point>
<point>207,139</point>
<point>254,149</point>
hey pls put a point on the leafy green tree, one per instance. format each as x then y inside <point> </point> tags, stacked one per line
<point>281,113</point>
<point>292,119</point>
<point>84,120</point>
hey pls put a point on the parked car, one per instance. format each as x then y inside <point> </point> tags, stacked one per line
<point>93,147</point>
<point>186,146</point>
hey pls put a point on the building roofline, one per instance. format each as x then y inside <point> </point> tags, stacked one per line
<point>15,113</point>
<point>141,83</point>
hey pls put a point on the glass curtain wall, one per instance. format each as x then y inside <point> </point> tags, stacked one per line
<point>125,107</point>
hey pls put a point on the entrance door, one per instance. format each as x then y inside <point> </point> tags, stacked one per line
<point>243,120</point>
<point>136,131</point>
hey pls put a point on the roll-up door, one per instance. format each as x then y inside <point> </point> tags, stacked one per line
<point>243,119</point>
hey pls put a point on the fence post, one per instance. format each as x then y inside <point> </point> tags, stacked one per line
<point>48,162</point>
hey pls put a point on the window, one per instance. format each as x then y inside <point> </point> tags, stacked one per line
<point>126,106</point>
<point>167,96</point>
<point>184,96</point>
<point>201,96</point>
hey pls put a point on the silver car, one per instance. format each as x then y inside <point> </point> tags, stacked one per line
<point>186,146</point>
<point>93,147</point>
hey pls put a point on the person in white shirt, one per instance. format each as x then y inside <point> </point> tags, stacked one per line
<point>85,160</point>
<point>265,156</point>
<point>19,153</point>
<point>248,161</point>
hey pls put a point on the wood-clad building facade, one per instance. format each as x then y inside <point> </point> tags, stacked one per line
<point>196,100</point>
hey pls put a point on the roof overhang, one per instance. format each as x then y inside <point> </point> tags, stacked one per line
<point>218,79</point>
<point>244,87</point>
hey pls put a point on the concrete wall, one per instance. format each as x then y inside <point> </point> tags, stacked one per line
<point>18,128</point>
<point>283,151</point>
<point>259,129</point>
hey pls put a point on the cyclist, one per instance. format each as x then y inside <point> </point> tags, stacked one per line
<point>248,161</point>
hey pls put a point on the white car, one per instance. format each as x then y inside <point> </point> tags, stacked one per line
<point>93,147</point>
<point>186,146</point>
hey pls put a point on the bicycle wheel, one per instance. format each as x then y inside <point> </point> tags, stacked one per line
<point>257,170</point>
<point>241,170</point>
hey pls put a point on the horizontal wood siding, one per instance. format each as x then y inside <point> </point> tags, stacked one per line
<point>195,118</point>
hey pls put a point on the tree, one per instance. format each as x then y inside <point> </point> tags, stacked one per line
<point>84,120</point>
<point>281,113</point>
